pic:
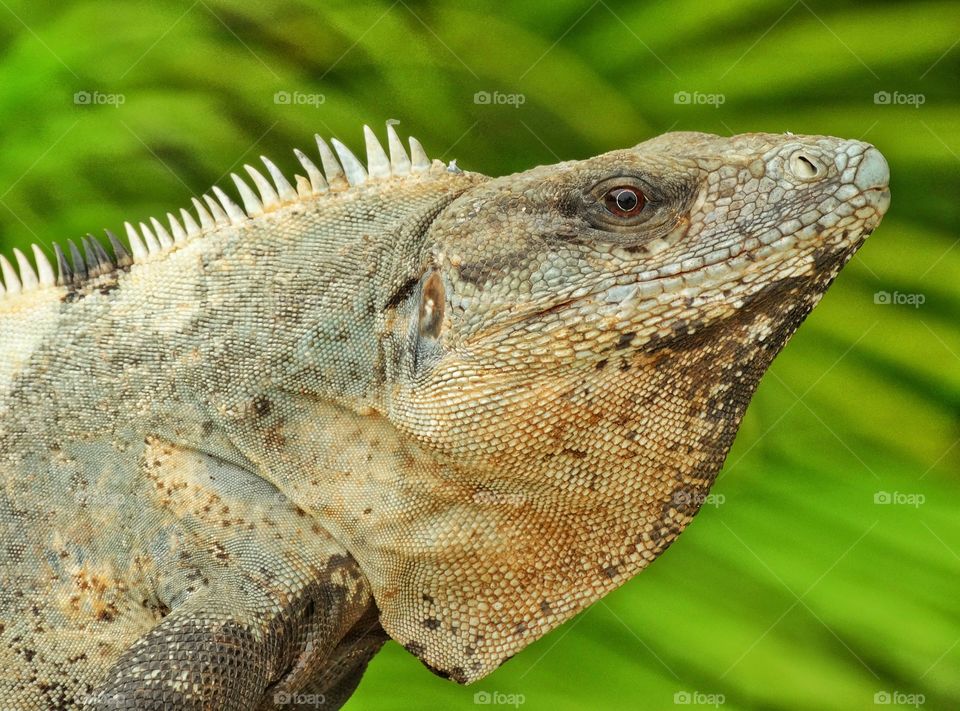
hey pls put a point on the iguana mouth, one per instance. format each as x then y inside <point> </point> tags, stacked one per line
<point>692,283</point>
<point>751,252</point>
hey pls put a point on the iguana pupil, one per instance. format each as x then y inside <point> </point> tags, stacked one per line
<point>624,201</point>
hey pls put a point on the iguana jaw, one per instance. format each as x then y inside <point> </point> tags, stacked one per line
<point>717,290</point>
<point>581,489</point>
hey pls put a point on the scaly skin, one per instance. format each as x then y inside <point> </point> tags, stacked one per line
<point>457,408</point>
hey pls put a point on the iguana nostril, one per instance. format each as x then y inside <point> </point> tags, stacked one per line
<point>873,171</point>
<point>804,167</point>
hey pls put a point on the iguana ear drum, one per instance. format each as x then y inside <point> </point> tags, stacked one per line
<point>432,300</point>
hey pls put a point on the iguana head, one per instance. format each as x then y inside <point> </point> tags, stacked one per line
<point>568,267</point>
<point>583,343</point>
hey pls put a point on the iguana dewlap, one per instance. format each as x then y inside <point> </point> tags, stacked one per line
<point>399,398</point>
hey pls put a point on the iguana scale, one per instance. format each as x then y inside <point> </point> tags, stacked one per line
<point>393,400</point>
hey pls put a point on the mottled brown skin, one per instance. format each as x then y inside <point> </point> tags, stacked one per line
<point>445,408</point>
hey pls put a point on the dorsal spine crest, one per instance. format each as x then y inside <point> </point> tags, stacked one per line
<point>342,170</point>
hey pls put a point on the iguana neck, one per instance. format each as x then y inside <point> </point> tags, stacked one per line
<point>183,346</point>
<point>536,517</point>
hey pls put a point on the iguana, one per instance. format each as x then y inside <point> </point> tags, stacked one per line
<point>395,400</point>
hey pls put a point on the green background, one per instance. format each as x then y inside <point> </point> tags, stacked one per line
<point>794,589</point>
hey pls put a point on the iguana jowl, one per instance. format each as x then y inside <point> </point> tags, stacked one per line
<point>404,395</point>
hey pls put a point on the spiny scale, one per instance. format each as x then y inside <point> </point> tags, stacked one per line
<point>341,171</point>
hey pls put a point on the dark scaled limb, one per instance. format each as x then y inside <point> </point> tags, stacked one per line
<point>203,658</point>
<point>264,604</point>
<point>330,681</point>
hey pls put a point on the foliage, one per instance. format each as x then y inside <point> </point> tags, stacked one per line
<point>795,589</point>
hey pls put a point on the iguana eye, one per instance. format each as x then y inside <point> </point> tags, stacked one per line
<point>632,205</point>
<point>624,201</point>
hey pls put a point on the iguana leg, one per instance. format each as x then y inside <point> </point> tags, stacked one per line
<point>333,679</point>
<point>260,597</point>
